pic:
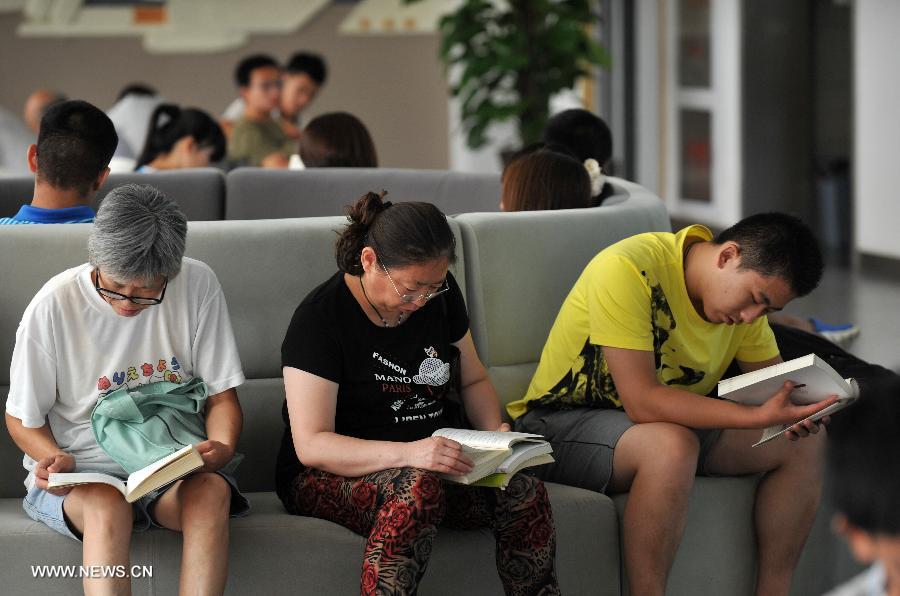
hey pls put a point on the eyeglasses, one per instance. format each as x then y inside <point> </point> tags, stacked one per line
<point>141,300</point>
<point>414,297</point>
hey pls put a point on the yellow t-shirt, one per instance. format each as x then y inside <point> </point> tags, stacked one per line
<point>632,295</point>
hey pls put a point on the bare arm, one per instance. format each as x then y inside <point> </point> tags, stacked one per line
<point>312,403</point>
<point>224,421</point>
<point>751,366</point>
<point>646,400</point>
<point>40,445</point>
<point>478,394</point>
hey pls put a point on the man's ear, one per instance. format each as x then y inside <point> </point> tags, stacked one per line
<point>100,180</point>
<point>728,252</point>
<point>32,158</point>
<point>860,542</point>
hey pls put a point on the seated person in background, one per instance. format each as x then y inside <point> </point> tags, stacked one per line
<point>70,159</point>
<point>257,139</point>
<point>301,81</point>
<point>621,388</point>
<point>544,180</point>
<point>181,138</point>
<point>337,140</point>
<point>302,78</point>
<point>367,361</point>
<point>862,480</point>
<point>37,105</point>
<point>587,137</point>
<point>137,306</point>
<point>15,138</point>
<point>131,117</point>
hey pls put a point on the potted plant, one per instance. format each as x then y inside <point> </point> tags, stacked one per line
<point>511,57</point>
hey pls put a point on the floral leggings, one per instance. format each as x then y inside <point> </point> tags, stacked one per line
<point>399,509</point>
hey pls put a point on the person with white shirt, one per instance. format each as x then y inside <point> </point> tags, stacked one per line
<point>862,480</point>
<point>138,312</point>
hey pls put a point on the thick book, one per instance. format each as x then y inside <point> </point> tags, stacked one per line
<point>496,456</point>
<point>139,483</point>
<point>814,380</point>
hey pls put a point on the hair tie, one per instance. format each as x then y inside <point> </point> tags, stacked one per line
<point>385,205</point>
<point>595,173</point>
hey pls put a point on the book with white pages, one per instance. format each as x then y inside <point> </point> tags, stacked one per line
<point>496,455</point>
<point>139,483</point>
<point>814,381</point>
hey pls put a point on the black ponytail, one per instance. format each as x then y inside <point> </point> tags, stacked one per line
<point>169,124</point>
<point>402,234</point>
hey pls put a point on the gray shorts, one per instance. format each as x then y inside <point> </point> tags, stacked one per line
<point>47,508</point>
<point>584,441</point>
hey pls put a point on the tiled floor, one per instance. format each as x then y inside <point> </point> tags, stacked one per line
<point>870,300</point>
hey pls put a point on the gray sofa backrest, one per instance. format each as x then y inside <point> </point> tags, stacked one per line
<point>200,192</point>
<point>254,193</point>
<point>522,265</point>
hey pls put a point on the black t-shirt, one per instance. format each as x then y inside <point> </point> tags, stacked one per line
<point>391,380</point>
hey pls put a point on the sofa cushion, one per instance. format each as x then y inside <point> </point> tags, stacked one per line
<point>200,192</point>
<point>272,552</point>
<point>254,193</point>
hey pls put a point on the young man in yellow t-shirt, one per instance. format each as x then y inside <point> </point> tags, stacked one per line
<point>621,389</point>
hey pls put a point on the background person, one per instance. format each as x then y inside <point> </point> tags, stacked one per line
<point>337,140</point>
<point>181,138</point>
<point>70,163</point>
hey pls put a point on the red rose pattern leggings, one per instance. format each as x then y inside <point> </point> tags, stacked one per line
<point>399,510</point>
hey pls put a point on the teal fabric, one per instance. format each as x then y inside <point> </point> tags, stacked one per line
<point>137,427</point>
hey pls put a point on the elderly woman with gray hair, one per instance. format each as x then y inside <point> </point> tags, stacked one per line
<point>137,313</point>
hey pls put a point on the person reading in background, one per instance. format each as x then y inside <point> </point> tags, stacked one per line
<point>181,138</point>
<point>337,140</point>
<point>257,138</point>
<point>70,162</point>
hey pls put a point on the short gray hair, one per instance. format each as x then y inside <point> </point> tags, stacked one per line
<point>138,233</point>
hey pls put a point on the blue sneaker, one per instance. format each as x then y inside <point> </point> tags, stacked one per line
<point>842,335</point>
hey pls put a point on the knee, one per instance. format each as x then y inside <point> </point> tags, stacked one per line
<point>527,490</point>
<point>207,493</point>
<point>103,506</point>
<point>674,447</point>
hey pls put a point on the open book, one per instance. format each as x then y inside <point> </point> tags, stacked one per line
<point>159,473</point>
<point>496,456</point>
<point>814,380</point>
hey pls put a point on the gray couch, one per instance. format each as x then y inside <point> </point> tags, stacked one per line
<point>514,270</point>
<point>252,193</point>
<point>200,192</point>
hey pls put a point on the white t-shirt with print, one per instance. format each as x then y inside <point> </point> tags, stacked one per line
<point>72,348</point>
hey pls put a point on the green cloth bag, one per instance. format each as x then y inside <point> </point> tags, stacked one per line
<point>139,426</point>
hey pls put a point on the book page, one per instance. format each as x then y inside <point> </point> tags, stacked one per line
<point>484,439</point>
<point>136,478</point>
<point>60,479</point>
<point>815,380</point>
<point>523,452</point>
<point>773,432</point>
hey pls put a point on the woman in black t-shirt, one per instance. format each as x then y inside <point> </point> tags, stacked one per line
<point>367,369</point>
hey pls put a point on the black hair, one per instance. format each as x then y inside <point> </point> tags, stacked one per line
<point>75,143</point>
<point>584,134</point>
<point>401,234</point>
<point>245,67</point>
<point>337,140</point>
<point>169,124</point>
<point>311,64</point>
<point>139,89</point>
<point>862,459</point>
<point>778,244</point>
<point>545,180</point>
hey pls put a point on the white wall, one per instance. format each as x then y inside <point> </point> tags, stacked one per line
<point>877,127</point>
